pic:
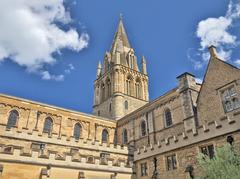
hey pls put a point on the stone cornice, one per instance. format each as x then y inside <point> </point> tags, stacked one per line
<point>49,109</point>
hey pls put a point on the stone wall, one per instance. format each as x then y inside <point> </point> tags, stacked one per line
<point>186,147</point>
<point>26,147</point>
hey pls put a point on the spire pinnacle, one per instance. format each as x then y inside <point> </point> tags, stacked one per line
<point>99,69</point>
<point>99,65</point>
<point>143,59</point>
<point>144,65</point>
<point>120,39</point>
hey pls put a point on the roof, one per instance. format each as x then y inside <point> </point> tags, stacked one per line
<point>56,108</point>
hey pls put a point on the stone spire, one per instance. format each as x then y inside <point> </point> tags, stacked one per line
<point>120,39</point>
<point>144,65</point>
<point>99,69</point>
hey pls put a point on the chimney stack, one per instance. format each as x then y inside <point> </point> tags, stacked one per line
<point>212,51</point>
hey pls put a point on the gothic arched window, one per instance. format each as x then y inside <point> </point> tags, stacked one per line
<point>77,131</point>
<point>48,125</point>
<point>124,136</point>
<point>143,128</point>
<point>126,105</point>
<point>128,85</point>
<point>168,117</point>
<point>105,136</point>
<point>12,119</point>
<point>130,59</point>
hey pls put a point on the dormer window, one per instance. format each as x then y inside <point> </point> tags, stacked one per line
<point>230,99</point>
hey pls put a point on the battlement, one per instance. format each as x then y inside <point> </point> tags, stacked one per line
<point>23,155</point>
<point>76,158</point>
<point>216,128</point>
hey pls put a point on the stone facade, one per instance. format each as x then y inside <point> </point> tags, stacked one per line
<point>128,136</point>
<point>58,153</point>
<point>200,117</point>
<point>120,87</point>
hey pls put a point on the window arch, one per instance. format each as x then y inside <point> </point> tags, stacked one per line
<point>143,128</point>
<point>168,117</point>
<point>130,59</point>
<point>48,125</point>
<point>12,119</point>
<point>124,136</point>
<point>126,105</point>
<point>77,131</point>
<point>105,135</point>
<point>128,85</point>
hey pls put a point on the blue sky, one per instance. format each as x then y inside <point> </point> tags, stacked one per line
<point>61,70</point>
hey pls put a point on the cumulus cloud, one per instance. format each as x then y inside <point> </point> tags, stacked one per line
<point>47,76</point>
<point>213,31</point>
<point>32,33</point>
<point>217,32</point>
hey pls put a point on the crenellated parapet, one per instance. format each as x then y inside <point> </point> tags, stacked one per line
<point>32,148</point>
<point>222,126</point>
<point>20,154</point>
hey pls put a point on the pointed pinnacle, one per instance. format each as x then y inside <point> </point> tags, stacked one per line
<point>143,59</point>
<point>99,65</point>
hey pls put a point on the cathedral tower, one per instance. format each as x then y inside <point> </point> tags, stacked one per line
<point>120,87</point>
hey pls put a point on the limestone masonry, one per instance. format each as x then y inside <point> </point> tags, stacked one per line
<point>127,136</point>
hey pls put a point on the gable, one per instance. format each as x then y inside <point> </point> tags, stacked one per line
<point>218,74</point>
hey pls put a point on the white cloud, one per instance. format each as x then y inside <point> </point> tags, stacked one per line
<point>217,32</point>
<point>237,62</point>
<point>71,66</point>
<point>30,33</point>
<point>69,69</point>
<point>47,76</point>
<point>213,31</point>
<point>224,54</point>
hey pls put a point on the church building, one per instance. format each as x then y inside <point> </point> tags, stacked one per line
<point>127,136</point>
